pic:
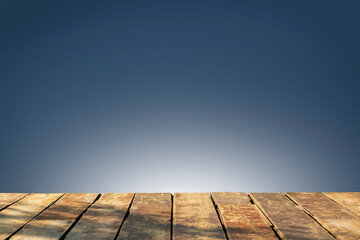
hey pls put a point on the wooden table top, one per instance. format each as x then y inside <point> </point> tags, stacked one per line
<point>180,216</point>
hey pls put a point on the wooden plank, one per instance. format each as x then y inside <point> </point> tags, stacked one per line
<point>7,199</point>
<point>245,222</point>
<point>195,217</point>
<point>18,214</point>
<point>289,221</point>
<point>336,219</point>
<point>54,221</point>
<point>349,200</point>
<point>149,218</point>
<point>222,198</point>
<point>242,219</point>
<point>102,220</point>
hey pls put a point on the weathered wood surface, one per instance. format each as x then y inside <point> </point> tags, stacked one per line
<point>58,218</point>
<point>289,221</point>
<point>349,200</point>
<point>195,217</point>
<point>336,219</point>
<point>157,216</point>
<point>245,222</point>
<point>242,220</point>
<point>149,218</point>
<point>222,198</point>
<point>18,214</point>
<point>103,219</point>
<point>7,199</point>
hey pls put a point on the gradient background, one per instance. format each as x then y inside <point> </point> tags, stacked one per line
<point>153,96</point>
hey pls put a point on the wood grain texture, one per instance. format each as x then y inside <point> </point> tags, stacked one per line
<point>195,217</point>
<point>149,218</point>
<point>54,221</point>
<point>242,219</point>
<point>289,221</point>
<point>103,219</point>
<point>18,214</point>
<point>304,216</point>
<point>336,219</point>
<point>349,200</point>
<point>8,198</point>
<point>222,198</point>
<point>245,222</point>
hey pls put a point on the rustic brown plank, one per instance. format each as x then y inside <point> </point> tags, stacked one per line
<point>289,221</point>
<point>245,222</point>
<point>195,217</point>
<point>242,220</point>
<point>54,221</point>
<point>222,198</point>
<point>149,218</point>
<point>336,219</point>
<point>18,214</point>
<point>349,200</point>
<point>226,198</point>
<point>7,199</point>
<point>102,220</point>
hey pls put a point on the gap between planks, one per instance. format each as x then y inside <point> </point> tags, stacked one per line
<point>218,213</point>
<point>13,202</point>
<point>352,211</point>
<point>235,209</point>
<point>125,217</point>
<point>344,226</point>
<point>268,220</point>
<point>286,217</point>
<point>78,218</point>
<point>52,203</point>
<point>309,214</point>
<point>251,200</point>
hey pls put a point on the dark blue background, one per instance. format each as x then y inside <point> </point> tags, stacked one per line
<point>124,96</point>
